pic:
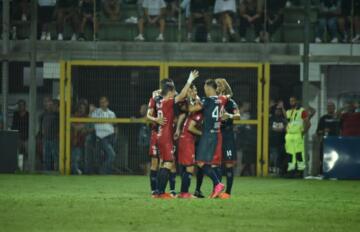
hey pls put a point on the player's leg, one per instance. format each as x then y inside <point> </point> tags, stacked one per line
<point>229,157</point>
<point>154,167</point>
<point>172,180</point>
<point>186,181</point>
<point>207,156</point>
<point>164,173</point>
<point>199,181</point>
<point>167,156</point>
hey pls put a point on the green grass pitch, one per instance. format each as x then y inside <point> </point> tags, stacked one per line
<point>122,203</point>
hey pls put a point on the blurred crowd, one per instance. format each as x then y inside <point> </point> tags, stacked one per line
<point>344,121</point>
<point>337,20</point>
<point>94,146</point>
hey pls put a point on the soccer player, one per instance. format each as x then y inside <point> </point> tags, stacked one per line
<point>156,121</point>
<point>186,145</point>
<point>228,147</point>
<point>210,146</point>
<point>165,109</point>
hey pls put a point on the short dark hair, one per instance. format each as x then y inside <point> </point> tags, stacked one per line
<point>167,88</point>
<point>211,83</point>
<point>166,82</point>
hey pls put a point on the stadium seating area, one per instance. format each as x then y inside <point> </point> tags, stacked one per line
<point>290,32</point>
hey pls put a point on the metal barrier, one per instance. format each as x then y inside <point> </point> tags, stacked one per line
<point>128,86</point>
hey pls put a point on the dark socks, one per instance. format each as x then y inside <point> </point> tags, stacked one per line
<point>172,179</point>
<point>218,172</point>
<point>199,179</point>
<point>229,179</point>
<point>210,172</point>
<point>163,179</point>
<point>153,180</point>
<point>185,181</point>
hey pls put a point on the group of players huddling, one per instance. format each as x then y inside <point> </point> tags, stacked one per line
<point>203,130</point>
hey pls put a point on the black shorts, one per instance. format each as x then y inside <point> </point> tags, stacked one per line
<point>206,148</point>
<point>228,146</point>
<point>199,8</point>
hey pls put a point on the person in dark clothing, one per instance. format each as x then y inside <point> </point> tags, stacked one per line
<point>329,125</point>
<point>274,18</point>
<point>277,141</point>
<point>251,13</point>
<point>67,10</point>
<point>246,139</point>
<point>89,12</point>
<point>199,14</point>
<point>329,10</point>
<point>49,130</point>
<point>21,124</point>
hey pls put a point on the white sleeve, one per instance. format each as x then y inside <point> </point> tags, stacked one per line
<point>93,114</point>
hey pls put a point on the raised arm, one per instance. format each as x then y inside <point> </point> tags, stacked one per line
<point>182,95</point>
<point>179,124</point>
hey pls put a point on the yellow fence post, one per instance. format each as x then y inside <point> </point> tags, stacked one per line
<point>62,119</point>
<point>259,154</point>
<point>68,116</point>
<point>266,116</point>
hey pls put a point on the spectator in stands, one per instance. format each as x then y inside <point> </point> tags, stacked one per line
<point>67,10</point>
<point>172,9</point>
<point>45,17</point>
<point>105,133</point>
<point>247,142</point>
<point>49,130</point>
<point>140,9</point>
<point>350,120</point>
<point>274,18</point>
<point>329,125</point>
<point>154,11</point>
<point>329,10</point>
<point>226,10</point>
<point>21,9</point>
<point>199,14</point>
<point>344,20</point>
<point>21,123</point>
<point>90,144</point>
<point>251,14</point>
<point>112,9</point>
<point>350,11</point>
<point>277,140</point>
<point>89,13</point>
<point>78,135</point>
<point>356,18</point>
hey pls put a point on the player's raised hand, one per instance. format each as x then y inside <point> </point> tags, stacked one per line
<point>192,76</point>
